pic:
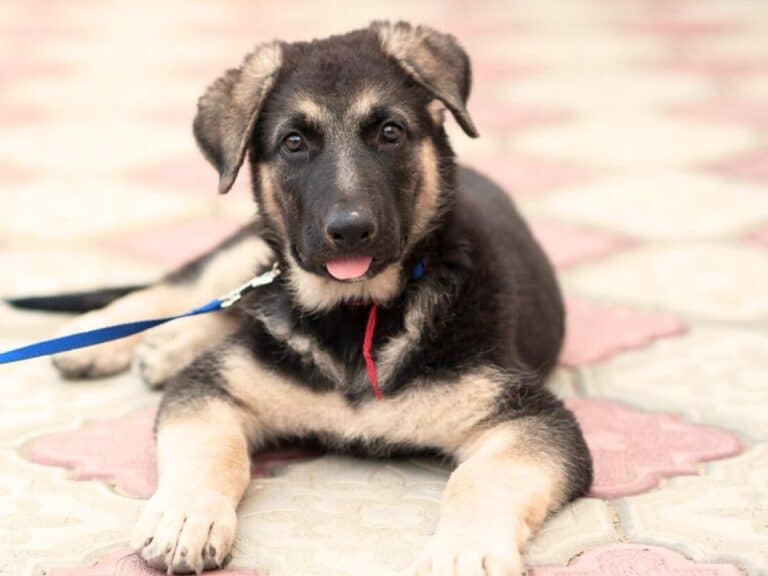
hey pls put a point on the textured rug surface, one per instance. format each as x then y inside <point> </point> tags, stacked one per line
<point>633,134</point>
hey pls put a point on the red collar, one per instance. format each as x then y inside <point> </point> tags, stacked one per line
<point>370,365</point>
<point>370,328</point>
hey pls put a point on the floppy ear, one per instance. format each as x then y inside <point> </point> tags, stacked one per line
<point>434,60</point>
<point>227,112</point>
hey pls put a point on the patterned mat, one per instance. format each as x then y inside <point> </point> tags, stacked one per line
<point>632,133</point>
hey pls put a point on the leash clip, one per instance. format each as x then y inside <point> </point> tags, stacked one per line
<point>261,280</point>
<point>116,331</point>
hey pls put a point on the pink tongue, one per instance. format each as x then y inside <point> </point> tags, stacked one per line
<point>348,268</point>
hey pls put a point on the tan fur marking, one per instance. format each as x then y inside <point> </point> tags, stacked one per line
<point>498,469</point>
<point>428,194</point>
<point>204,467</point>
<point>315,112</point>
<point>228,110</point>
<point>363,103</point>
<point>157,299</point>
<point>207,447</point>
<point>269,199</point>
<point>404,43</point>
<point>167,349</point>
<point>398,41</point>
<point>436,111</point>
<point>315,293</point>
<point>396,349</point>
<point>113,357</point>
<point>305,346</point>
<point>264,62</point>
<point>235,266</point>
<point>346,174</point>
<point>434,60</point>
<point>439,416</point>
<point>499,494</point>
<point>224,272</point>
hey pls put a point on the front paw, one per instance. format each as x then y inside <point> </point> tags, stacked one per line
<point>469,552</point>
<point>184,534</point>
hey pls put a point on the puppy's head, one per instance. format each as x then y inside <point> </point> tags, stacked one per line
<point>347,150</point>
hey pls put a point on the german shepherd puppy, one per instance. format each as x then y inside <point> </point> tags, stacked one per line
<point>380,238</point>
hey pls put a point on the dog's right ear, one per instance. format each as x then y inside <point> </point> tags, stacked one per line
<point>227,112</point>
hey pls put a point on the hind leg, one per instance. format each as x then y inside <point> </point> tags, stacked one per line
<point>167,349</point>
<point>112,357</point>
<point>223,269</point>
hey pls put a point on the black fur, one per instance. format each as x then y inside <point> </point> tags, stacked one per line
<point>492,294</point>
<point>334,72</point>
<point>197,385</point>
<point>74,302</point>
<point>498,303</point>
<point>190,271</point>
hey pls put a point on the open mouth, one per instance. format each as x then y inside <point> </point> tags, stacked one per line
<point>349,268</point>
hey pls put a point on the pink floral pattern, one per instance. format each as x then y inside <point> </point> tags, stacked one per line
<point>632,451</point>
<point>185,174</point>
<point>530,175</point>
<point>735,110</point>
<point>646,98</point>
<point>679,29</point>
<point>122,452</point>
<point>759,237</point>
<point>569,245</point>
<point>497,71</point>
<point>635,560</point>
<point>594,331</point>
<point>179,242</point>
<point>126,563</point>
<point>503,119</point>
<point>751,166</point>
<point>720,69</point>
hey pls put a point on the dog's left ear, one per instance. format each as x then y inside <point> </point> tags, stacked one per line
<point>227,112</point>
<point>434,60</point>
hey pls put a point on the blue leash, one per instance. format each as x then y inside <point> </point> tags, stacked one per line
<point>101,335</point>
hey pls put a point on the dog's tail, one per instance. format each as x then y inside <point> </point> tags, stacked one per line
<point>73,302</point>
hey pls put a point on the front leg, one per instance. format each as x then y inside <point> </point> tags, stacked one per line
<point>510,477</point>
<point>204,469</point>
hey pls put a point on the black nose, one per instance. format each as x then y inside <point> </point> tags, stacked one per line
<point>350,229</point>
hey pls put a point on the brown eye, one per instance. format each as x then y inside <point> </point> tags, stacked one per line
<point>390,133</point>
<point>294,142</point>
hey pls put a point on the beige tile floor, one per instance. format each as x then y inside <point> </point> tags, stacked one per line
<point>637,126</point>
